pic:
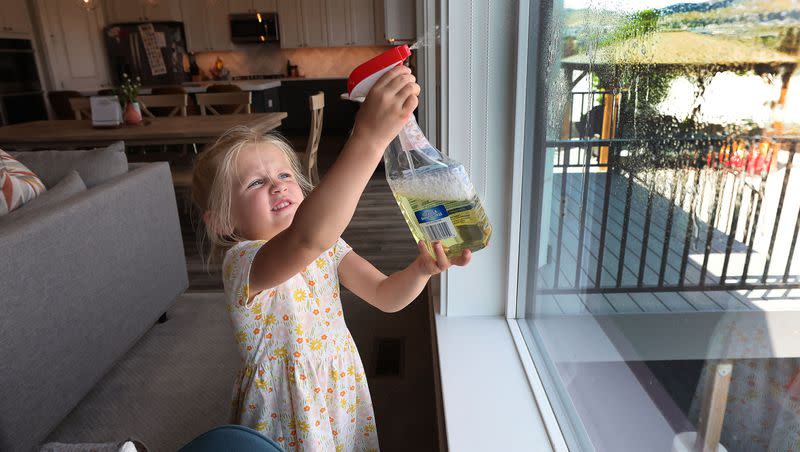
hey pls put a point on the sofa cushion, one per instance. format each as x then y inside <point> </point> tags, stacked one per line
<point>69,186</point>
<point>18,184</point>
<point>95,165</point>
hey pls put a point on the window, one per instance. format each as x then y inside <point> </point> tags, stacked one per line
<point>661,287</point>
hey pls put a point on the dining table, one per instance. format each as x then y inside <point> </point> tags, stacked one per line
<point>67,134</point>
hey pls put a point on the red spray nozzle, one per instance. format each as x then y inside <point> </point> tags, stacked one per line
<point>364,76</point>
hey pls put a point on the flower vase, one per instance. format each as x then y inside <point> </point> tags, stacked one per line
<point>132,115</point>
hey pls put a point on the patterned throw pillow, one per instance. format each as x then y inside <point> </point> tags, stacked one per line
<point>18,184</point>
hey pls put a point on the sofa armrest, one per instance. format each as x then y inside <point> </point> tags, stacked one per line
<point>80,285</point>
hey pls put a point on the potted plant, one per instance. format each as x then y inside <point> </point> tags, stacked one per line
<point>128,92</point>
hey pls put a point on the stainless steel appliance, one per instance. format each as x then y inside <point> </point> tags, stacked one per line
<point>157,57</point>
<point>21,98</point>
<point>254,28</point>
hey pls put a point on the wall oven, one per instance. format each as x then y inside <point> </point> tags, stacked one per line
<point>21,97</point>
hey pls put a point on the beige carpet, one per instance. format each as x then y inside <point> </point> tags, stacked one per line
<point>173,385</point>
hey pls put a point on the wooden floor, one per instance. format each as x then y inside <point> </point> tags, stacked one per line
<point>565,251</point>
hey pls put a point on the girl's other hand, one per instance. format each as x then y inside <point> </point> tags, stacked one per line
<point>387,107</point>
<point>427,265</point>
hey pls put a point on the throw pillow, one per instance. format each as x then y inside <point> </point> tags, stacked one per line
<point>95,166</point>
<point>17,183</point>
<point>69,186</point>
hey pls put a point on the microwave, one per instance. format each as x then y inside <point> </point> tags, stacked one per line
<point>254,28</point>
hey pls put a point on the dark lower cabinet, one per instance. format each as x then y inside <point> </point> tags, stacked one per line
<point>267,100</point>
<point>337,117</point>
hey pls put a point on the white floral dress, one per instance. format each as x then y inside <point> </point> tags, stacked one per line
<point>302,382</point>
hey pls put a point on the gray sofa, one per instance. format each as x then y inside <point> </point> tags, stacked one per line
<point>84,273</point>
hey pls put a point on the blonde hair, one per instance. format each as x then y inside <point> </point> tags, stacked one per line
<point>213,179</point>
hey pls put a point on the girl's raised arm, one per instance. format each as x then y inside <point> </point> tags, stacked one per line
<point>325,213</point>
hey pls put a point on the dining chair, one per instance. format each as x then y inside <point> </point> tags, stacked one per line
<point>163,104</point>
<point>238,102</point>
<point>191,106</point>
<point>223,88</point>
<point>59,102</point>
<point>81,107</point>
<point>316,103</point>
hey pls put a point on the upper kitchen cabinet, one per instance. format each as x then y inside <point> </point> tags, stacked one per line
<point>338,22</point>
<point>72,39</point>
<point>14,19</point>
<point>302,23</point>
<point>362,22</point>
<point>121,11</point>
<point>252,6</point>
<point>207,29</point>
<point>350,22</point>
<point>399,20</point>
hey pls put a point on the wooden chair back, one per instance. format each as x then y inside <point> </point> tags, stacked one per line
<point>212,102</point>
<point>81,107</point>
<point>316,103</point>
<point>59,101</point>
<point>177,103</point>
<point>223,88</point>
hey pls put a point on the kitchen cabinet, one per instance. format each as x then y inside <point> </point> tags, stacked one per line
<point>72,39</point>
<point>266,100</point>
<point>14,19</point>
<point>207,29</point>
<point>252,6</point>
<point>362,22</point>
<point>399,20</point>
<point>121,11</point>
<point>337,117</point>
<point>302,23</point>
<point>337,22</point>
<point>350,22</point>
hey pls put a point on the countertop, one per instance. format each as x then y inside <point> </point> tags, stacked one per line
<point>246,85</point>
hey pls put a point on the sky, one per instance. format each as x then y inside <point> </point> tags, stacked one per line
<point>624,5</point>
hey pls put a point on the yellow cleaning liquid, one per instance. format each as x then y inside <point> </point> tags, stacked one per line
<point>434,194</point>
<point>459,225</point>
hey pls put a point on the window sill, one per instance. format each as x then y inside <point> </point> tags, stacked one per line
<point>488,401</point>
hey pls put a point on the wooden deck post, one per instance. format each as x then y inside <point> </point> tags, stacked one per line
<point>712,412</point>
<point>566,120</point>
<point>608,131</point>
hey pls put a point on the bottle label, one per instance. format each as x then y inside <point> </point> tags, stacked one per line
<point>436,223</point>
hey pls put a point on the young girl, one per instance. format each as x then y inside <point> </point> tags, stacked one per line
<point>302,382</point>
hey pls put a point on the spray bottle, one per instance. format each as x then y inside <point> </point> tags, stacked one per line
<point>434,192</point>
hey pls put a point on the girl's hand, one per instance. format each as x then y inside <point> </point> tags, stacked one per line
<point>387,107</point>
<point>428,266</point>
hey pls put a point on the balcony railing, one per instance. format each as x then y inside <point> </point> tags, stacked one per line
<point>672,215</point>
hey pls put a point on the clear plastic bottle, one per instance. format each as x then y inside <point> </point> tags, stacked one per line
<point>434,193</point>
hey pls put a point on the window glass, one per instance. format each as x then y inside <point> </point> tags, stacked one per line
<point>663,286</point>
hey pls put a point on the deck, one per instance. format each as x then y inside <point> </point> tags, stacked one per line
<point>713,261</point>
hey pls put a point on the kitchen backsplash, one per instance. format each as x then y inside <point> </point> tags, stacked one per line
<point>271,59</point>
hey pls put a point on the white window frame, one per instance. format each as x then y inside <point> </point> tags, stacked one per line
<point>471,297</point>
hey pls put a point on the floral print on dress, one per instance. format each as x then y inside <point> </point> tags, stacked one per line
<point>302,382</point>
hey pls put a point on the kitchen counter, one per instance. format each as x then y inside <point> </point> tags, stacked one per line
<point>200,87</point>
<point>246,85</point>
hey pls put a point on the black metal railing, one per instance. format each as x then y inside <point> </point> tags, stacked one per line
<point>646,205</point>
